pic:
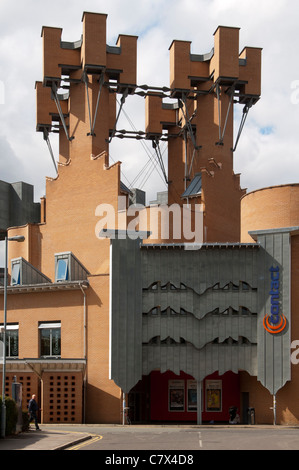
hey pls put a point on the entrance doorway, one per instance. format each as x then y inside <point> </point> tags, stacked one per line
<point>139,401</point>
<point>173,398</point>
<point>245,406</point>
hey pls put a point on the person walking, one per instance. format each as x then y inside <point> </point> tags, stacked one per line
<point>33,409</point>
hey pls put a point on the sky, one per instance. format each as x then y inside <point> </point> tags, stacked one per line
<point>268,151</point>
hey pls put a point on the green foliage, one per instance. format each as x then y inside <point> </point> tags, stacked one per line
<point>11,415</point>
<point>25,421</point>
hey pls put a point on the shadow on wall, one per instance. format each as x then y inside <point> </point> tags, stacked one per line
<point>103,407</point>
<point>287,402</point>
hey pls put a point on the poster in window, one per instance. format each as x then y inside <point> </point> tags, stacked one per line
<point>192,395</point>
<point>176,393</point>
<point>214,395</point>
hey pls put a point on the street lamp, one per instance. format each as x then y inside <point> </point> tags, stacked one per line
<point>17,238</point>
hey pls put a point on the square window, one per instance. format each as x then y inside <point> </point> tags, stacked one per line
<point>50,339</point>
<point>16,275</point>
<point>62,270</point>
<point>11,341</point>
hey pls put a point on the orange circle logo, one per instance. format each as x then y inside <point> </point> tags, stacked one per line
<point>277,328</point>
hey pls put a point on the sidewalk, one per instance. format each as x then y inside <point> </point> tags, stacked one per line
<point>43,440</point>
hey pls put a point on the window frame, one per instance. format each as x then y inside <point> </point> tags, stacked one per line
<point>8,346</point>
<point>49,326</point>
<point>15,266</point>
<point>65,276</point>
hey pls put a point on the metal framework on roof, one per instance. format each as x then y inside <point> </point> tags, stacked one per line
<point>222,73</point>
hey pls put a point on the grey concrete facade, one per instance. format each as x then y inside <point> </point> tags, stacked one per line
<point>17,206</point>
<point>199,310</point>
<point>274,366</point>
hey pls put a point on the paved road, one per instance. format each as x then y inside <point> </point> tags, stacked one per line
<point>195,438</point>
<point>155,440</point>
<point>148,438</point>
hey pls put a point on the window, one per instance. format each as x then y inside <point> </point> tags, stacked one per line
<point>16,274</point>
<point>62,270</point>
<point>50,339</point>
<point>245,311</point>
<point>154,286</point>
<point>245,286</point>
<point>12,340</point>
<point>155,311</point>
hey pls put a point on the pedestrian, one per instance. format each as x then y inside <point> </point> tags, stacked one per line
<point>33,409</point>
<point>234,417</point>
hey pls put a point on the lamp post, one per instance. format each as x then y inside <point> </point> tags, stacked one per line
<point>17,238</point>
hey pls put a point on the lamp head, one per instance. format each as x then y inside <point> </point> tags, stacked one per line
<point>17,238</point>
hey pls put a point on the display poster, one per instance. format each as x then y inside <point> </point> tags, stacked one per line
<point>192,395</point>
<point>176,393</point>
<point>213,395</point>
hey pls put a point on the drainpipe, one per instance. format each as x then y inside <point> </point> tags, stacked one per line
<point>84,350</point>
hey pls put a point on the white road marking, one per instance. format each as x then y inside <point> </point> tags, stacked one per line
<point>200,440</point>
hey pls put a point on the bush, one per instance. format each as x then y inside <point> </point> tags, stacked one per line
<point>11,415</point>
<point>25,421</point>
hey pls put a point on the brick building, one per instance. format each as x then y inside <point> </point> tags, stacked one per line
<point>175,327</point>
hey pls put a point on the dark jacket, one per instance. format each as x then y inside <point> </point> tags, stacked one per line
<point>32,407</point>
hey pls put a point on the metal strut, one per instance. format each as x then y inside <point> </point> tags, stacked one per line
<point>46,138</point>
<point>188,119</point>
<point>56,99</point>
<point>156,146</point>
<point>101,81</point>
<point>122,102</point>
<point>243,120</point>
<point>188,128</point>
<point>85,80</point>
<point>188,170</point>
<point>231,92</point>
<point>93,123</point>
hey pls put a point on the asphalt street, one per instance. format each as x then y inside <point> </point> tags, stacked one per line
<point>116,440</point>
<point>194,438</point>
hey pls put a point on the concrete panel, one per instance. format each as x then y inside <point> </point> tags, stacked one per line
<point>274,366</point>
<point>198,311</point>
<point>125,313</point>
<point>17,206</point>
<point>200,363</point>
